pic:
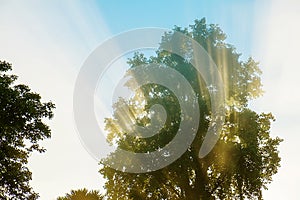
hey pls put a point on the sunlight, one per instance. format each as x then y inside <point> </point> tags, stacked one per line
<point>278,52</point>
<point>48,43</point>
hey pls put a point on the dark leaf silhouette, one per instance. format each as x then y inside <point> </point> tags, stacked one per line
<point>21,128</point>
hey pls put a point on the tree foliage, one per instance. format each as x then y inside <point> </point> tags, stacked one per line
<point>82,194</point>
<point>21,128</point>
<point>245,157</point>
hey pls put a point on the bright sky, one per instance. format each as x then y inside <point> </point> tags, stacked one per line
<point>47,42</point>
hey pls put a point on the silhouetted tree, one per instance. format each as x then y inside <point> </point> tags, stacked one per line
<point>82,194</point>
<point>245,157</point>
<point>21,128</point>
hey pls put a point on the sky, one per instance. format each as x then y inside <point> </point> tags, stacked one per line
<point>48,41</point>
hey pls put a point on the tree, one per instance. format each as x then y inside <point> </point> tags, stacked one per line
<point>245,157</point>
<point>82,194</point>
<point>21,128</point>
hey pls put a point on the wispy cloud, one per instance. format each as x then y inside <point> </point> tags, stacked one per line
<point>47,42</point>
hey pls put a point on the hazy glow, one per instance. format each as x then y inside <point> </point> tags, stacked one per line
<point>277,48</point>
<point>48,42</point>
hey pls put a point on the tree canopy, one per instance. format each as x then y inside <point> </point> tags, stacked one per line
<point>21,129</point>
<point>82,194</point>
<point>245,157</point>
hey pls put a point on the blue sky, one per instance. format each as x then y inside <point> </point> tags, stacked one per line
<point>47,42</point>
<point>235,17</point>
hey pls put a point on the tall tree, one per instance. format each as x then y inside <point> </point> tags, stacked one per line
<point>82,194</point>
<point>21,128</point>
<point>245,157</point>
